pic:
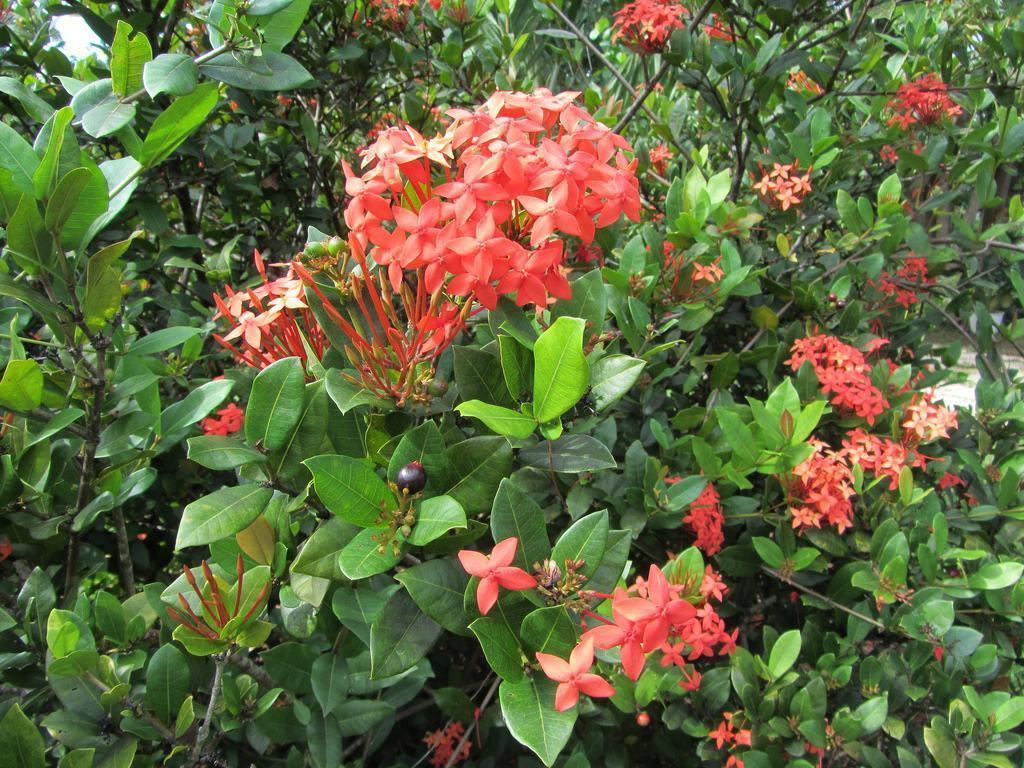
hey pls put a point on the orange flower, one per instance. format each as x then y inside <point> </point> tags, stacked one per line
<point>495,570</point>
<point>574,676</point>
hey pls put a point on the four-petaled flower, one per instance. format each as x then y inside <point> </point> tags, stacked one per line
<point>495,570</point>
<point>574,676</point>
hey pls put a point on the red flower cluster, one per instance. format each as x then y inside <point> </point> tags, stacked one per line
<point>495,570</point>
<point>688,279</point>
<point>914,270</point>
<point>716,30</point>
<point>800,82</point>
<point>924,422</point>
<point>879,455</point>
<point>726,734</point>
<point>228,421</point>
<point>820,489</point>
<point>655,615</point>
<point>924,101</point>
<point>659,157</point>
<point>646,25</point>
<point>475,213</point>
<point>589,254</point>
<point>443,744</point>
<point>269,322</point>
<point>782,187</point>
<point>706,520</point>
<point>844,375</point>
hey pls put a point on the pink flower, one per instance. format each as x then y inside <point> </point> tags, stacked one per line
<point>574,676</point>
<point>495,570</point>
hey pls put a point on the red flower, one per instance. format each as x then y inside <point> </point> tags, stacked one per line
<point>495,571</point>
<point>574,676</point>
<point>229,420</point>
<point>443,743</point>
<point>844,375</point>
<point>646,25</point>
<point>938,651</point>
<point>924,101</point>
<point>706,520</point>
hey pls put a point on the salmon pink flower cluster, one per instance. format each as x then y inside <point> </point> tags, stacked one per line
<point>799,81</point>
<point>655,616</point>
<point>819,490</point>
<point>228,421</point>
<point>494,571</point>
<point>844,374</point>
<point>476,213</point>
<point>922,102</point>
<point>447,745</point>
<point>269,322</point>
<point>706,520</point>
<point>914,270</point>
<point>574,676</point>
<point>659,157</point>
<point>716,30</point>
<point>686,278</point>
<point>783,187</point>
<point>728,736</point>
<point>646,25</point>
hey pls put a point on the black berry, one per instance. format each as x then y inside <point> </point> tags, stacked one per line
<point>411,478</point>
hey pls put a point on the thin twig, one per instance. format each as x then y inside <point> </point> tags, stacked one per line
<point>814,593</point>
<point>204,730</point>
<point>469,731</point>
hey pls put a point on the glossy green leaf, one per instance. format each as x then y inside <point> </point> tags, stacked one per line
<point>221,514</point>
<point>173,73</point>
<point>400,636</point>
<point>275,404</point>
<point>528,709</point>
<point>435,517</point>
<point>515,513</point>
<point>503,421</point>
<point>437,587</point>
<point>784,653</point>
<point>272,71</point>
<point>167,682</point>
<point>351,489</point>
<point>175,123</point>
<point>500,647</point>
<point>560,373</point>
<point>128,56</point>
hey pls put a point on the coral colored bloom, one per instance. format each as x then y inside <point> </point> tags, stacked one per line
<point>228,421</point>
<point>574,676</point>
<point>646,25</point>
<point>800,82</point>
<point>495,570</point>
<point>444,743</point>
<point>706,520</point>
<point>782,187</point>
<point>844,375</point>
<point>924,101</point>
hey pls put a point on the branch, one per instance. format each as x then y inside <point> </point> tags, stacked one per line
<point>204,730</point>
<point>814,593</point>
<point>469,731</point>
<point>137,708</point>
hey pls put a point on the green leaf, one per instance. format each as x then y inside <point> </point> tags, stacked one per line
<point>175,123</point>
<point>890,191</point>
<point>561,373</point>
<point>358,716</point>
<point>16,156</point>
<point>162,340</point>
<point>360,558</point>
<point>589,301</point>
<point>849,215</point>
<point>476,467</point>
<point>769,551</point>
<point>167,682</point>
<point>500,647</point>
<point>218,452</point>
<point>435,517</point>
<point>1009,715</point>
<point>400,636</point>
<point>265,8</point>
<point>272,71</point>
<point>479,376</point>
<point>221,514</point>
<point>330,681</point>
<point>28,242</point>
<point>37,108</point>
<point>81,210</point>
<point>767,51</point>
<point>319,555</point>
<point>197,405</point>
<point>173,73</point>
<point>62,633</point>
<point>275,404</point>
<point>504,421</point>
<point>437,587</point>
<point>515,513</point>
<point>872,713</point>
<point>107,116</point>
<point>569,453</point>
<point>21,387</point>
<point>347,395</point>
<point>20,740</point>
<point>528,709</point>
<point>65,196</point>
<point>612,377</point>
<point>128,55</point>
<point>583,540</point>
<point>784,653</point>
<point>110,618</point>
<point>549,630</point>
<point>279,28</point>
<point>991,576</point>
<point>350,488</point>
<point>57,156</point>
